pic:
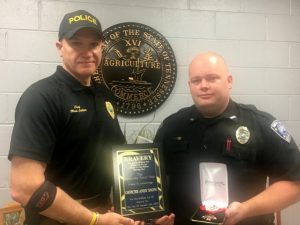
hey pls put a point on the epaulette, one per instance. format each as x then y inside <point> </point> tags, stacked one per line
<point>248,106</point>
<point>181,115</point>
<point>254,109</point>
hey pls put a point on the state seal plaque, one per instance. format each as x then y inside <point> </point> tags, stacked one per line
<point>138,66</point>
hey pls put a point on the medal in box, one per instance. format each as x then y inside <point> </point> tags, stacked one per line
<point>214,193</point>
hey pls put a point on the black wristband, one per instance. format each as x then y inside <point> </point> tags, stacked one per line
<point>42,198</point>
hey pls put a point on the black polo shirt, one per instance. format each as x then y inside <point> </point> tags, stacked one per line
<point>70,127</point>
<point>188,139</point>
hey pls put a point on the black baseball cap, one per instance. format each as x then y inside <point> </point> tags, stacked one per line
<point>75,21</point>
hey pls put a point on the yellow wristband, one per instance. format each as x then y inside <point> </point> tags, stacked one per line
<point>97,218</point>
<point>94,219</point>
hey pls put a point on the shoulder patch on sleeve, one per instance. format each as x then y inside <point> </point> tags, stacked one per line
<point>280,130</point>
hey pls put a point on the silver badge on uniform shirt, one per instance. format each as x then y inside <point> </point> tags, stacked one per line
<point>242,135</point>
<point>279,129</point>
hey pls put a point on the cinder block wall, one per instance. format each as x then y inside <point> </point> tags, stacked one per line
<point>259,38</point>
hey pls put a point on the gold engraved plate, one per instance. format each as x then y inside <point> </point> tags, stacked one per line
<point>242,135</point>
<point>138,66</point>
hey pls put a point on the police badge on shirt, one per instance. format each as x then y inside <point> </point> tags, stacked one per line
<point>110,109</point>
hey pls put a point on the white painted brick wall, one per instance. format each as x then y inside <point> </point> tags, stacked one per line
<point>2,44</point>
<point>294,55</point>
<point>188,24</point>
<point>295,7</point>
<point>19,14</point>
<point>248,81</point>
<point>260,54</point>
<point>240,26</point>
<point>17,76</point>
<point>283,28</point>
<point>4,180</point>
<point>295,109</point>
<point>182,80</point>
<point>216,5</point>
<point>4,164</point>
<point>8,104</point>
<point>284,81</point>
<point>41,43</point>
<point>259,39</point>
<point>148,16</point>
<point>266,6</point>
<point>5,133</point>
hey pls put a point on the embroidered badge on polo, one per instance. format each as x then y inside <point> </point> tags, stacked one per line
<point>242,135</point>
<point>280,130</point>
<point>110,109</point>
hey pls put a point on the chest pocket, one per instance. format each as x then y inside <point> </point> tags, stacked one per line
<point>238,152</point>
<point>176,145</point>
<point>176,152</point>
<point>239,142</point>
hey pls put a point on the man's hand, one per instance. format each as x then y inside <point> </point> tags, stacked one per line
<point>165,220</point>
<point>234,213</point>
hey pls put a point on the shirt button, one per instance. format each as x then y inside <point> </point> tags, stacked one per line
<point>203,147</point>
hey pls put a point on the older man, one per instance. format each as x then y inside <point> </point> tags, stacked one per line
<point>64,127</point>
